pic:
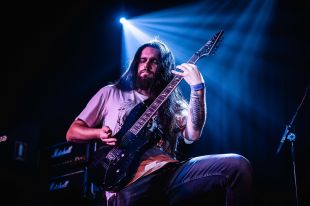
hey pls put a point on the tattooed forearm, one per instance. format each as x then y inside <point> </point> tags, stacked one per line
<point>197,109</point>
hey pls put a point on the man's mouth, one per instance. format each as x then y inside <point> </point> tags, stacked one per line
<point>145,73</point>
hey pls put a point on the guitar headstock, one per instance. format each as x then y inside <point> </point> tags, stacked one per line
<point>210,47</point>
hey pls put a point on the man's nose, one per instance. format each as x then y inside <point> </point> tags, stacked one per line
<point>148,64</point>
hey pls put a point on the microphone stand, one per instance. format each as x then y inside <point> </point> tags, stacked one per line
<point>288,134</point>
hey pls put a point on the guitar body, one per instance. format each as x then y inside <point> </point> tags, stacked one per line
<point>112,167</point>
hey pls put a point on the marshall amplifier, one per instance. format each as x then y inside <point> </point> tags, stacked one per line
<point>73,182</point>
<point>67,157</point>
<point>71,186</point>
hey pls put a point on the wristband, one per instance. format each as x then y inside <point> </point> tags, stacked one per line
<point>197,87</point>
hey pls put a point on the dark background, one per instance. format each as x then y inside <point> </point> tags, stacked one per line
<point>51,50</point>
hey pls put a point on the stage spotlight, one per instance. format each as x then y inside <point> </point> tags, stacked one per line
<point>122,20</point>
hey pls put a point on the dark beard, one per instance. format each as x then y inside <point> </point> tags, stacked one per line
<point>145,83</point>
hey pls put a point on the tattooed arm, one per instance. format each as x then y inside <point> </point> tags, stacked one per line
<point>197,104</point>
<point>197,115</point>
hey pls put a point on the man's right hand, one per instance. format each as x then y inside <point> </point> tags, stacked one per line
<point>105,135</point>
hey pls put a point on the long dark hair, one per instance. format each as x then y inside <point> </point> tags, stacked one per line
<point>175,102</point>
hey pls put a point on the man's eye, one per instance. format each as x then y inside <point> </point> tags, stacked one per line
<point>152,61</point>
<point>155,62</point>
<point>142,60</point>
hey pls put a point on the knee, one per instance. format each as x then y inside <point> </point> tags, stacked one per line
<point>239,162</point>
<point>240,167</point>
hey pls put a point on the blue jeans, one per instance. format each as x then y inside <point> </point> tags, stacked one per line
<point>222,179</point>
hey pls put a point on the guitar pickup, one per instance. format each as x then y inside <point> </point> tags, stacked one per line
<point>115,155</point>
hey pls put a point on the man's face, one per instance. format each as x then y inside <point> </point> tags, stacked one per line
<point>147,67</point>
<point>148,63</point>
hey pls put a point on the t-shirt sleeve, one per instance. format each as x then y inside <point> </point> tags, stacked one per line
<point>93,113</point>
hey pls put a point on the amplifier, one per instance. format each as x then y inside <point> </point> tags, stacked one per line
<point>74,181</point>
<point>67,157</point>
<point>74,184</point>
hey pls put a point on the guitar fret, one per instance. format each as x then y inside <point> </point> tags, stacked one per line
<point>139,123</point>
<point>160,98</point>
<point>143,118</point>
<point>133,131</point>
<point>149,113</point>
<point>136,127</point>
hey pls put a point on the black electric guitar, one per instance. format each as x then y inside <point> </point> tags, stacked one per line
<point>112,167</point>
